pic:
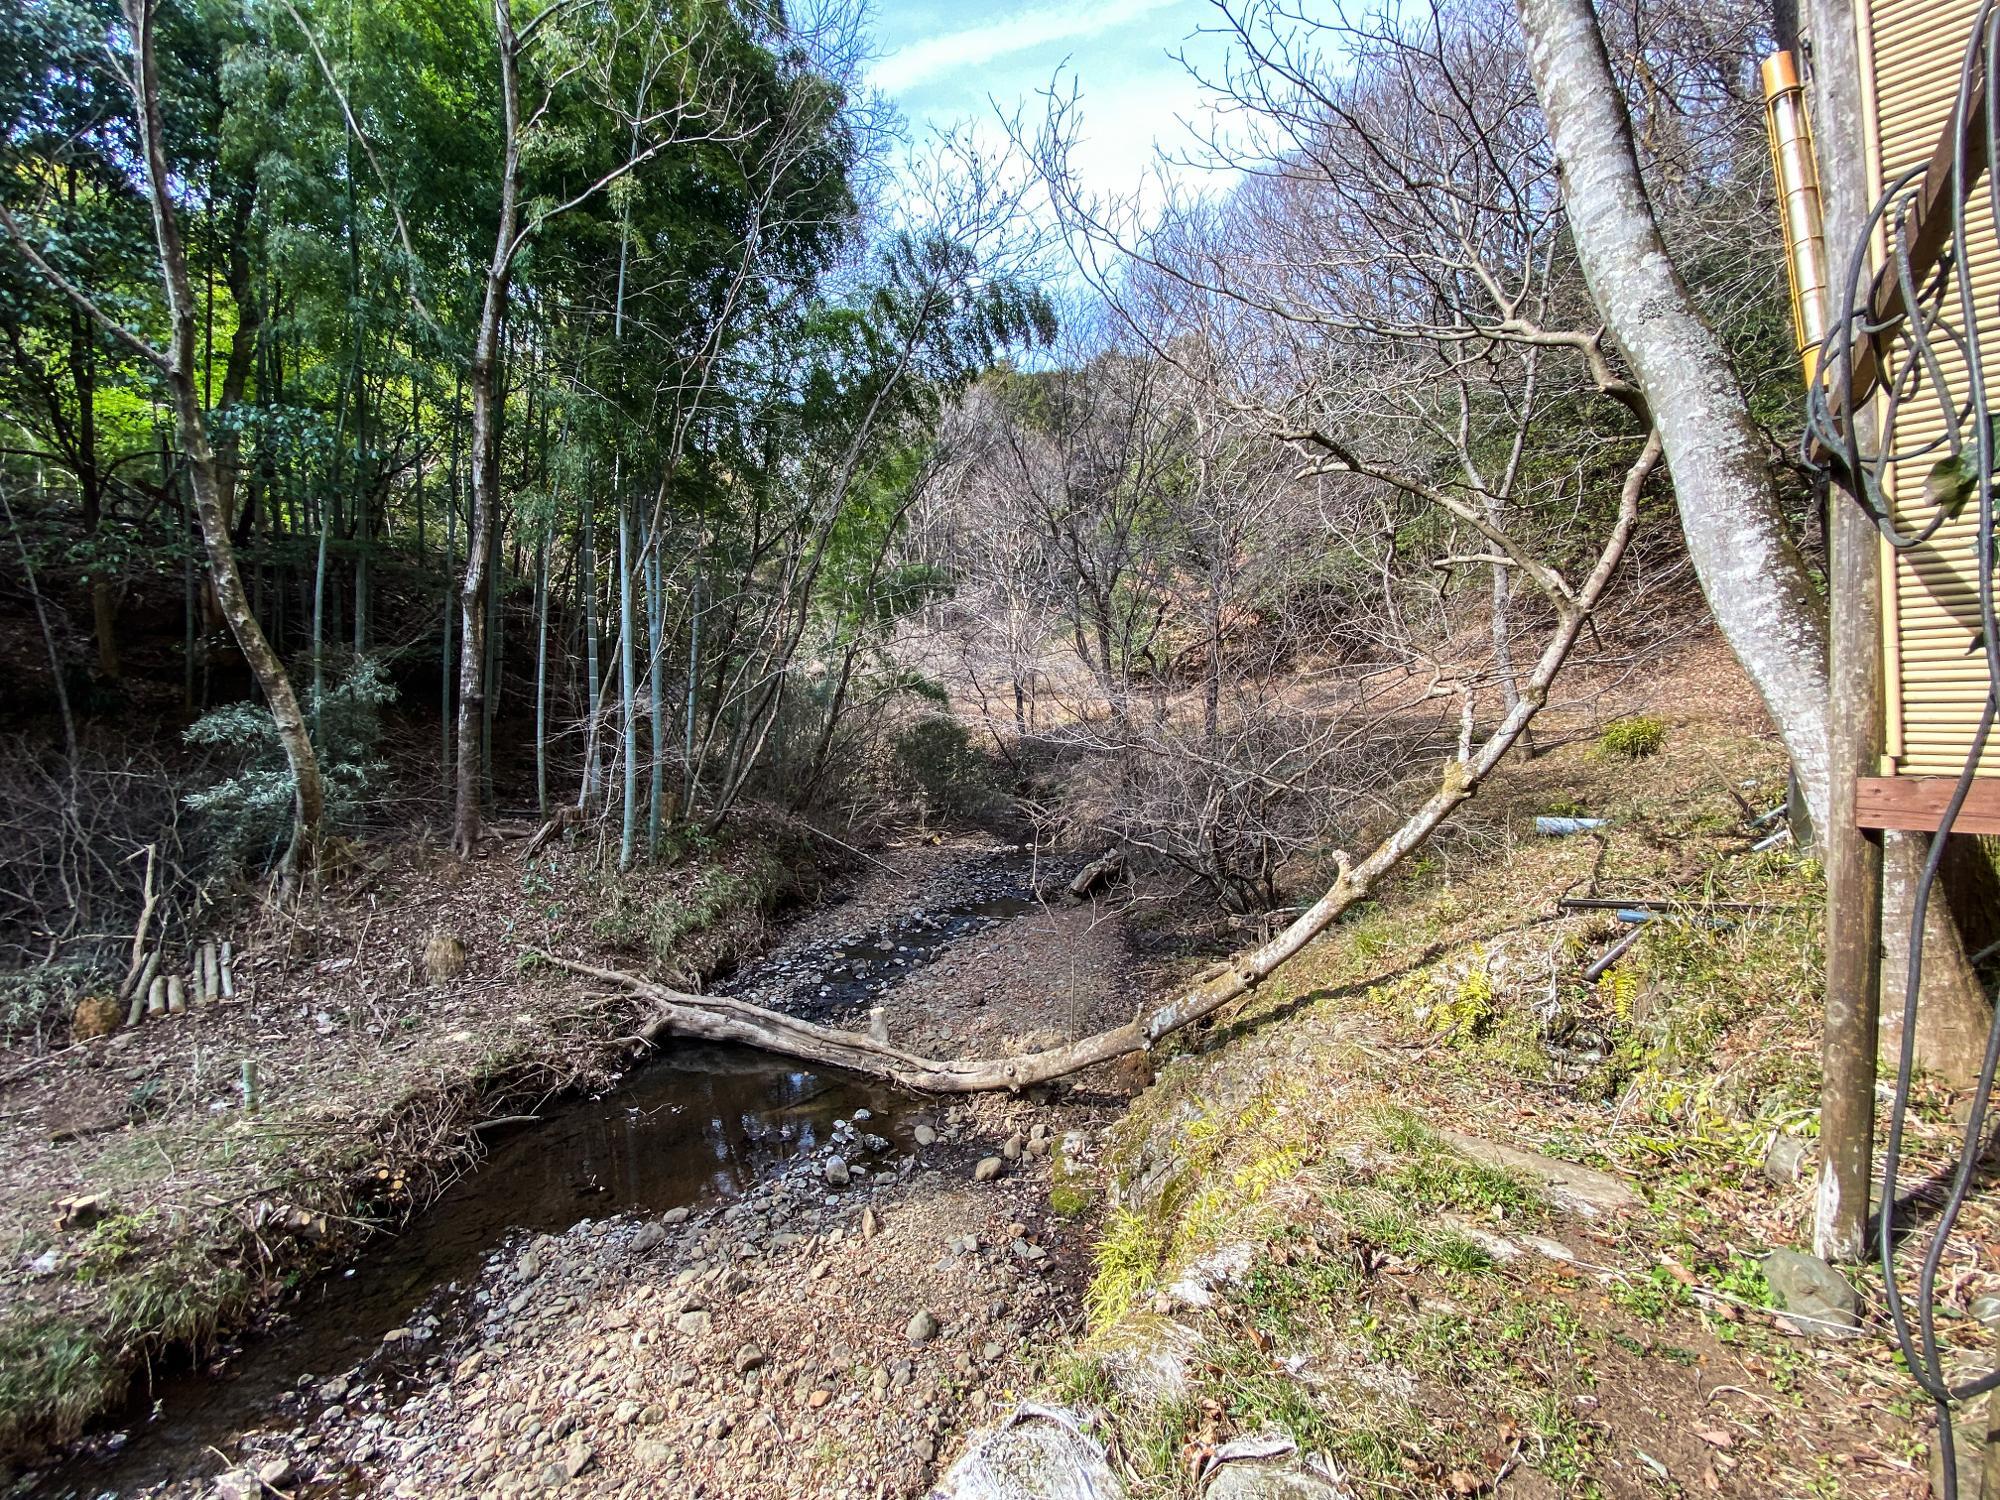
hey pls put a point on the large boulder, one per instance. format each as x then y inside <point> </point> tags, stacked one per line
<point>1037,1453</point>
<point>1814,1298</point>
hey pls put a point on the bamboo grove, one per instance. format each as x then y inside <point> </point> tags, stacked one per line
<point>561,364</point>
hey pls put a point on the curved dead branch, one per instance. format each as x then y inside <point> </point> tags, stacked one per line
<point>723,1019</point>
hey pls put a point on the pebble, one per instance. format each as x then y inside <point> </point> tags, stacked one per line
<point>837,1174</point>
<point>923,1135</point>
<point>748,1358</point>
<point>989,1168</point>
<point>923,1328</point>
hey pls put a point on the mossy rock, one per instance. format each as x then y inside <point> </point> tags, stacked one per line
<point>1073,1183</point>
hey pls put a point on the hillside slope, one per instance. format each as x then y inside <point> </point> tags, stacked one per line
<point>1325,1232</point>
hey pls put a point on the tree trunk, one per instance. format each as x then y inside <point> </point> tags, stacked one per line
<point>242,356</point>
<point>1750,570</point>
<point>363,544</point>
<point>628,690</point>
<point>450,570</point>
<point>188,590</point>
<point>542,673</point>
<point>693,693</point>
<point>593,745</point>
<point>656,628</point>
<point>90,484</point>
<point>1855,971</point>
<point>1211,694</point>
<point>319,614</point>
<point>484,379</point>
<point>308,793</point>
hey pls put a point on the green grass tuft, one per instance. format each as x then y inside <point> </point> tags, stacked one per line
<point>1634,738</point>
<point>1129,1257</point>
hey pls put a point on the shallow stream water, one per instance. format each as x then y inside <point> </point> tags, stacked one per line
<point>694,1124</point>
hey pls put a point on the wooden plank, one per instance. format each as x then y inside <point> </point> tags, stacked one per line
<point>1917,802</point>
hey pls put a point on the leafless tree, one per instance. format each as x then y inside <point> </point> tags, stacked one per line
<point>1736,532</point>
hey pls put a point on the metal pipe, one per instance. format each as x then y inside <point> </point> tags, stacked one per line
<point>1797,178</point>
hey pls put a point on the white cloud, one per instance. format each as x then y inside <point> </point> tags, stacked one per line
<point>937,55</point>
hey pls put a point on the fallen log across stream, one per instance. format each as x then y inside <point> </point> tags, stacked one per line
<point>722,1019</point>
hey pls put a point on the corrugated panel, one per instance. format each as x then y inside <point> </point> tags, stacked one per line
<point>1912,50</point>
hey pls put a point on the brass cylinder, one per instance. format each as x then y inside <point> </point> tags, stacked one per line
<point>1797,179</point>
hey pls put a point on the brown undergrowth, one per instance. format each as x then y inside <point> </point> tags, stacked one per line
<point>234,1151</point>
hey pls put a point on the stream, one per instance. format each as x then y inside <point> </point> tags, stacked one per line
<point>696,1124</point>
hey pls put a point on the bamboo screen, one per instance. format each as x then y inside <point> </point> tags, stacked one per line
<point>1936,683</point>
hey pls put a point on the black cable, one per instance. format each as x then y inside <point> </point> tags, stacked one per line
<point>1916,334</point>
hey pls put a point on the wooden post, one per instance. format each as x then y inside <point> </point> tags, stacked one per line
<point>1853,855</point>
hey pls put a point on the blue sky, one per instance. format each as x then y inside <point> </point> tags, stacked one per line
<point>941,61</point>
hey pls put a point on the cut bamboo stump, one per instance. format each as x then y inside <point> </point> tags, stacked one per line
<point>176,995</point>
<point>138,1011</point>
<point>224,967</point>
<point>156,997</point>
<point>210,987</point>
<point>144,975</point>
